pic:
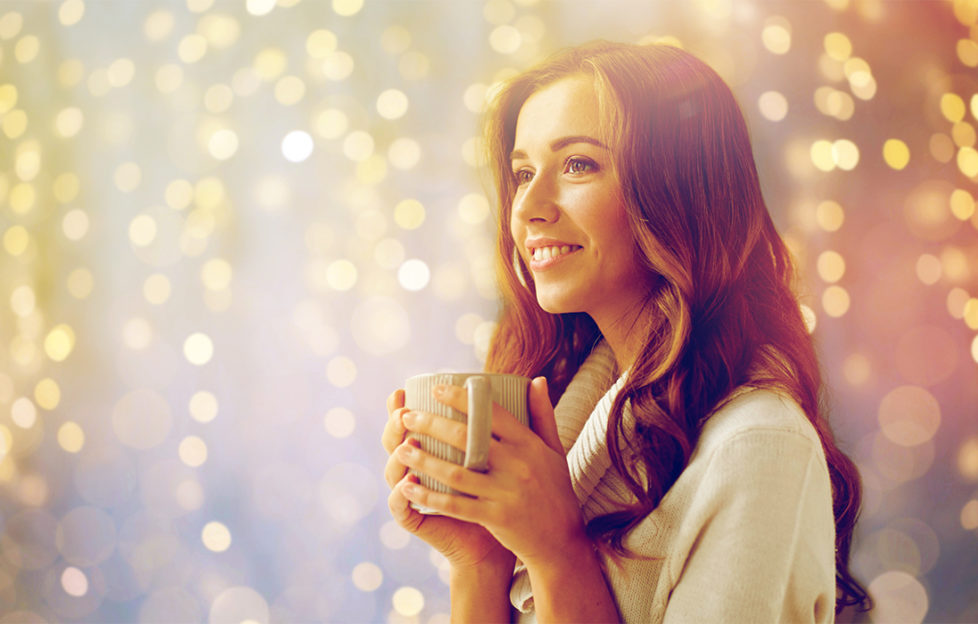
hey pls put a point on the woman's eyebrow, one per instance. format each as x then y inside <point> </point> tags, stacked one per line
<point>561,143</point>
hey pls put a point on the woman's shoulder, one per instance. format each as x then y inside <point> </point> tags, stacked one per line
<point>749,412</point>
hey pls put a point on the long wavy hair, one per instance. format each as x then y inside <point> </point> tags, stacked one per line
<point>721,311</point>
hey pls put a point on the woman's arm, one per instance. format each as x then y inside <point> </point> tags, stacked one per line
<point>571,587</point>
<point>481,593</point>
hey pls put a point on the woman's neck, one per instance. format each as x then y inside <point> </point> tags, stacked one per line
<point>626,333</point>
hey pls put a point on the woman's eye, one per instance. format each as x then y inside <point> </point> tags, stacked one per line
<point>579,165</point>
<point>523,176</point>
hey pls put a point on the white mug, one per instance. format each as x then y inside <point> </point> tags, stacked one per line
<point>484,389</point>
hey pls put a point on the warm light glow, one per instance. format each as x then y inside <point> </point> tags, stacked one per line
<point>952,107</point>
<point>198,348</point>
<point>968,161</point>
<point>392,104</point>
<point>909,415</point>
<point>339,422</point>
<point>838,46</point>
<point>776,35</point>
<point>341,275</point>
<point>962,204</point>
<point>409,214</point>
<point>969,515</point>
<point>216,537</point>
<point>341,371</point>
<point>831,266</point>
<point>192,451</point>
<point>289,90</point>
<point>59,342</point>
<point>203,406</point>
<point>71,437</point>
<point>367,576</point>
<point>223,144</point>
<point>337,66</point>
<point>835,301</point>
<point>404,153</point>
<point>358,146</point>
<point>898,596</point>
<point>297,146</point>
<point>857,369</point>
<point>408,601</point>
<point>967,50</point>
<point>74,582</point>
<point>505,39</point>
<point>773,105</point>
<point>968,459</point>
<point>896,153</point>
<point>71,11</point>
<point>47,393</point>
<point>347,8</point>
<point>157,289</point>
<point>331,123</point>
<point>929,269</point>
<point>414,274</point>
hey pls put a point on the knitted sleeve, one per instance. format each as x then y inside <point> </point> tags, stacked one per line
<point>760,534</point>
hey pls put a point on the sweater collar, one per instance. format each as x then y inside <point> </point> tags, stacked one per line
<point>582,419</point>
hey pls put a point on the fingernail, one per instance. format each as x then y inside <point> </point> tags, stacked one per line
<point>409,417</point>
<point>438,391</point>
<point>407,450</point>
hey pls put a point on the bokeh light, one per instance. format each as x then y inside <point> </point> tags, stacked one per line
<point>230,229</point>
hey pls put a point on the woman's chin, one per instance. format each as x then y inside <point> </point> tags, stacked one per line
<point>556,305</point>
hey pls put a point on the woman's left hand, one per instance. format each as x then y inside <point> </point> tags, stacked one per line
<point>525,499</point>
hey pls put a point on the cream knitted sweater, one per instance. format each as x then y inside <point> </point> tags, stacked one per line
<point>746,534</point>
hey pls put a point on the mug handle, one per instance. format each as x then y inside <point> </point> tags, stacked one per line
<point>479,424</point>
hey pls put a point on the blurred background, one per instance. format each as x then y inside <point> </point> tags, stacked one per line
<point>229,228</point>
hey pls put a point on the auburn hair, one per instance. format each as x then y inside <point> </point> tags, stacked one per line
<point>721,312</point>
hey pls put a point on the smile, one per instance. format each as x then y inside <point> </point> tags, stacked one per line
<point>547,253</point>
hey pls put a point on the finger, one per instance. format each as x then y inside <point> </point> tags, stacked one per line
<point>451,474</point>
<point>451,505</point>
<point>395,400</point>
<point>542,414</point>
<point>394,470</point>
<point>400,506</point>
<point>451,432</point>
<point>394,430</point>
<point>504,425</point>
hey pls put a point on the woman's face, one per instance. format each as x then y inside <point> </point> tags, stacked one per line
<point>568,218</point>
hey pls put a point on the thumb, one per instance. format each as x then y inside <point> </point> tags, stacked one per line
<point>542,414</point>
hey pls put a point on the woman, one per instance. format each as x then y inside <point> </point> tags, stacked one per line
<point>686,473</point>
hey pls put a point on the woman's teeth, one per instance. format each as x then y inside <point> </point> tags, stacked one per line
<point>546,253</point>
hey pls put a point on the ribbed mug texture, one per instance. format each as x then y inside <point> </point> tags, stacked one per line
<point>509,391</point>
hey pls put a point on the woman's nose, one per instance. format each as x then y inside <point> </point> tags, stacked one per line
<point>537,202</point>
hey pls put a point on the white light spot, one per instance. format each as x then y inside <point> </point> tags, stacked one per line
<point>340,422</point>
<point>216,537</point>
<point>414,274</point>
<point>297,146</point>
<point>74,582</point>
<point>367,576</point>
<point>198,349</point>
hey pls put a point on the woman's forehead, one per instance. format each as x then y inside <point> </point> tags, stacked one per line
<point>565,107</point>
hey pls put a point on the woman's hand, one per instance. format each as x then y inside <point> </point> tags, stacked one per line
<point>525,500</point>
<point>465,545</point>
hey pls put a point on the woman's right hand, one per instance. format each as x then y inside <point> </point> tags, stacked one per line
<point>464,544</point>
